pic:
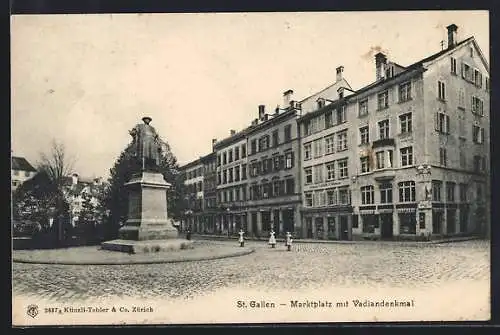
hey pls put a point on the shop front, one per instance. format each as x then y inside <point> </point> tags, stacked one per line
<point>327,223</point>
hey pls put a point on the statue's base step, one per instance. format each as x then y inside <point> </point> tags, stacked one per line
<point>149,246</point>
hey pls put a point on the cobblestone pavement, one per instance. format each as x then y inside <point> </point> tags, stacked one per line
<point>307,266</point>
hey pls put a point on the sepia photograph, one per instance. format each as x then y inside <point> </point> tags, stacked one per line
<point>250,168</point>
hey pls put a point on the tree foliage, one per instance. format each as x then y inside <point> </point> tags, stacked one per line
<point>115,200</point>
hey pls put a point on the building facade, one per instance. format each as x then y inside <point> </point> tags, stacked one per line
<point>232,180</point>
<point>20,171</point>
<point>404,157</point>
<point>273,172</point>
<point>210,211</point>
<point>193,174</point>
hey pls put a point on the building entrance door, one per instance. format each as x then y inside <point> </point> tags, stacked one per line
<point>288,223</point>
<point>276,221</point>
<point>344,228</point>
<point>386,225</point>
<point>309,228</point>
<point>437,222</point>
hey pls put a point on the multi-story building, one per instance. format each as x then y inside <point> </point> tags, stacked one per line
<point>20,171</point>
<point>77,190</point>
<point>420,167</point>
<point>273,171</point>
<point>209,192</point>
<point>231,182</point>
<point>193,195</point>
<point>326,163</point>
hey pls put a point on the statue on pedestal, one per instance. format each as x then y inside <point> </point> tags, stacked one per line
<point>147,145</point>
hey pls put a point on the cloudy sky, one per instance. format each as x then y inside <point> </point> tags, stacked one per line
<point>85,80</point>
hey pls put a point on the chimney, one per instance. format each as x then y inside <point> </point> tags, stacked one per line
<point>74,178</point>
<point>287,96</point>
<point>380,63</point>
<point>277,110</point>
<point>232,132</point>
<point>340,70</point>
<point>452,35</point>
<point>262,112</point>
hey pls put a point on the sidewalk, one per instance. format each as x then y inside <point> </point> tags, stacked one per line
<point>297,240</point>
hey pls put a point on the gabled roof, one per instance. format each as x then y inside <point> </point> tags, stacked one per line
<point>20,163</point>
<point>326,88</point>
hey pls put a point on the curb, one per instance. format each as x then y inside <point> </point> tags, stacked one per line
<point>181,260</point>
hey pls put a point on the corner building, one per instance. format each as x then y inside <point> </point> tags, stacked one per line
<point>273,172</point>
<point>422,146</point>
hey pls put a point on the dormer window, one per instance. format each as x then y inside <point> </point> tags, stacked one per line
<point>321,103</point>
<point>389,71</point>
<point>341,92</point>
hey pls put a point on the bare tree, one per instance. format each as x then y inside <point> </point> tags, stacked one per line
<point>57,164</point>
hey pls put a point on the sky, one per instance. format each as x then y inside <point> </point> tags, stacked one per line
<point>86,80</point>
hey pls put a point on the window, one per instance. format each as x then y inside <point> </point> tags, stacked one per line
<point>307,151</point>
<point>230,159</point>
<point>321,103</point>
<point>406,191</point>
<point>380,156</point>
<point>341,114</point>
<point>276,163</point>
<point>364,135</point>
<point>308,174</point>
<point>328,119</point>
<point>436,190</point>
<point>453,65</point>
<point>367,195</point>
<point>477,134</point>
<point>224,176</point>
<point>243,172</point>
<point>405,122</point>
<point>463,192</point>
<point>276,188</point>
<point>441,90</point>
<point>383,100</point>
<point>450,192</point>
<point>385,193</point>
<point>466,72</point>
<point>288,132</point>
<point>405,92</point>
<point>342,140</point>
<point>331,197</point>
<point>266,166</point>
<point>288,160</point>
<point>218,178</point>
<point>243,150</point>
<point>264,143</point>
<point>487,83</point>
<point>230,176</point>
<point>479,164</point>
<point>342,168</point>
<point>478,78</point>
<point>461,126</point>
<point>477,106</point>
<point>363,107</point>
<point>343,196</point>
<point>463,159</point>
<point>329,144</point>
<point>407,223</point>
<point>331,225</point>
<point>318,174</point>
<point>330,171</point>
<point>290,186</point>
<point>307,127</point>
<point>276,139</point>
<point>236,173</point>
<point>26,173</point>
<point>236,153</point>
<point>442,123</point>
<point>218,163</point>
<point>383,127</point>
<point>442,157</point>
<point>406,156</point>
<point>309,199</point>
<point>253,146</point>
<point>318,148</point>
<point>461,98</point>
<point>224,158</point>
<point>365,164</point>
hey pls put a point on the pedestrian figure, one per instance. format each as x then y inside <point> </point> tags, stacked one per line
<point>241,239</point>
<point>188,234</point>
<point>288,241</point>
<point>272,239</point>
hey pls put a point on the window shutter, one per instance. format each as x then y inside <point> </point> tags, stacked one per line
<point>436,121</point>
<point>447,124</point>
<point>472,103</point>
<point>463,70</point>
<point>482,135</point>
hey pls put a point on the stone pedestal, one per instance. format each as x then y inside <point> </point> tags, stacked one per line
<point>147,222</point>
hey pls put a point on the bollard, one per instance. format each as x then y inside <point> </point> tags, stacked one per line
<point>288,241</point>
<point>272,239</point>
<point>241,239</point>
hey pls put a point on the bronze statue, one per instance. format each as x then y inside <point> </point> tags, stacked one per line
<point>147,145</point>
